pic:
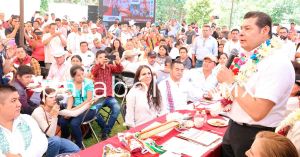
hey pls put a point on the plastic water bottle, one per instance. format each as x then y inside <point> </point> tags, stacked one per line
<point>199,119</point>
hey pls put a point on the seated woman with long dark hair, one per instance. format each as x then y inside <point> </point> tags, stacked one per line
<point>143,101</point>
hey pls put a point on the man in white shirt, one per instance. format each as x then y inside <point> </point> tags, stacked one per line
<point>88,57</point>
<point>151,62</point>
<point>202,80</point>
<point>74,39</point>
<point>54,41</point>
<point>288,45</point>
<point>60,27</point>
<point>125,34</point>
<point>260,104</point>
<point>174,53</point>
<point>60,70</point>
<point>2,31</point>
<point>147,28</point>
<point>94,32</point>
<point>87,35</point>
<point>174,90</point>
<point>114,28</point>
<point>202,46</point>
<point>20,133</point>
<point>234,43</point>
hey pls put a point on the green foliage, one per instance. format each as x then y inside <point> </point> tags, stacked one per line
<point>168,9</point>
<point>281,11</point>
<point>44,6</point>
<point>198,11</point>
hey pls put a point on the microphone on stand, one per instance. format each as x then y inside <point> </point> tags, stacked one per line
<point>233,53</point>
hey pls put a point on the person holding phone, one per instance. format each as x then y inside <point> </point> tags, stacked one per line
<point>102,72</point>
<point>37,46</point>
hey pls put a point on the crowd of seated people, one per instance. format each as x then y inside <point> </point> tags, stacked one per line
<point>171,70</point>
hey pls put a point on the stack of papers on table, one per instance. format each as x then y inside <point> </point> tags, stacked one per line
<point>192,142</point>
<point>199,136</point>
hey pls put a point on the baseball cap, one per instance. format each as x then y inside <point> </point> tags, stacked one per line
<point>94,26</point>
<point>211,57</point>
<point>152,54</point>
<point>129,53</point>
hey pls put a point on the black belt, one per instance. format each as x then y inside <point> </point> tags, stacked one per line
<point>253,126</point>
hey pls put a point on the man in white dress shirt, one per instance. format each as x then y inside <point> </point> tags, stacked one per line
<point>234,43</point>
<point>54,41</point>
<point>74,39</point>
<point>288,45</point>
<point>94,32</point>
<point>174,90</point>
<point>203,79</point>
<point>19,133</point>
<point>203,45</point>
<point>151,62</point>
<point>88,57</point>
<point>263,106</point>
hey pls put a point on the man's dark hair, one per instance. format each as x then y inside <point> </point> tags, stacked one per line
<point>285,29</point>
<point>206,25</point>
<point>235,30</point>
<point>175,62</point>
<point>15,17</point>
<point>4,90</point>
<point>83,42</point>
<point>163,39</point>
<point>24,70</point>
<point>100,52</point>
<point>262,20</point>
<point>74,69</point>
<point>183,48</point>
<point>7,88</point>
<point>58,19</point>
<point>53,24</point>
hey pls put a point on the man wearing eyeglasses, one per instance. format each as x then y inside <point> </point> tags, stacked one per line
<point>13,31</point>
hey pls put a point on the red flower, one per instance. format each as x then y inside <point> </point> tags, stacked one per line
<point>236,60</point>
<point>255,51</point>
<point>235,71</point>
<point>231,67</point>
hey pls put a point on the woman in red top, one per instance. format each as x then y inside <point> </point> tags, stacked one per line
<point>37,47</point>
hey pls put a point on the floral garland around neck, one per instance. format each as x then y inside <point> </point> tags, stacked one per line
<point>288,122</point>
<point>244,68</point>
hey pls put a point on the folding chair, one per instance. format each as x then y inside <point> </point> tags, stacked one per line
<point>89,124</point>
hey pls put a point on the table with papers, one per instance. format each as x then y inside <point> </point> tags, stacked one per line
<point>174,141</point>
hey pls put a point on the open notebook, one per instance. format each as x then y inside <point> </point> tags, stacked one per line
<point>199,136</point>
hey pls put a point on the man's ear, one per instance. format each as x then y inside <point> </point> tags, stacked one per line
<point>266,30</point>
<point>18,77</point>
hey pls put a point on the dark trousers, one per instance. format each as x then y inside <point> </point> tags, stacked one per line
<point>239,138</point>
<point>75,123</point>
